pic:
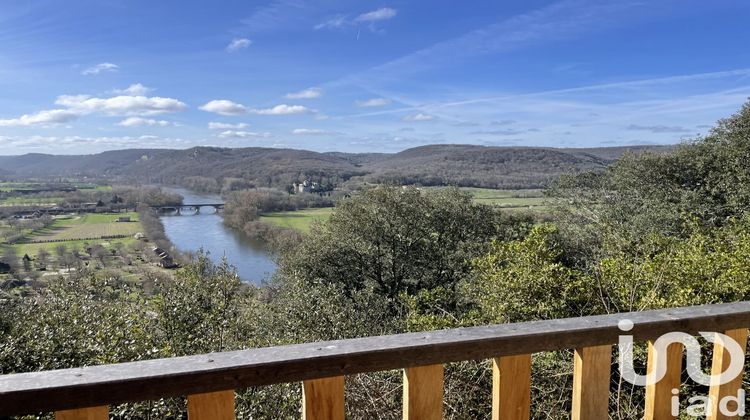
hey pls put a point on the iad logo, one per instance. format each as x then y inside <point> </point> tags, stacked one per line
<point>692,347</point>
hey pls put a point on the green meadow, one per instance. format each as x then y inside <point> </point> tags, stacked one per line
<point>299,219</point>
<point>30,201</point>
<point>81,230</point>
<point>13,186</point>
<point>506,198</point>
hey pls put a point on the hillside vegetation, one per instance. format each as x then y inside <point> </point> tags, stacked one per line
<point>215,169</point>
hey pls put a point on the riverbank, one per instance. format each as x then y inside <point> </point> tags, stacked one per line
<point>154,230</point>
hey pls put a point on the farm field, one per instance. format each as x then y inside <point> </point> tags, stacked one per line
<point>47,198</point>
<point>12,186</point>
<point>89,226</point>
<point>93,187</point>
<point>51,247</point>
<point>39,248</point>
<point>30,201</point>
<point>76,231</point>
<point>505,198</point>
<point>299,219</point>
<point>23,186</point>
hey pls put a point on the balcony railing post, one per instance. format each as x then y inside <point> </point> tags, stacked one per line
<point>323,399</point>
<point>659,395</point>
<point>511,387</point>
<point>211,406</point>
<point>423,393</point>
<point>591,374</point>
<point>90,413</point>
<point>720,394</point>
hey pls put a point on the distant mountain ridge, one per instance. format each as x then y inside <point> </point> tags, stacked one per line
<point>456,164</point>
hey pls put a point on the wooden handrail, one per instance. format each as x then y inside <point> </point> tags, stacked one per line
<point>95,386</point>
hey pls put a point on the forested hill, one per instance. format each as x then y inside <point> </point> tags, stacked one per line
<point>210,167</point>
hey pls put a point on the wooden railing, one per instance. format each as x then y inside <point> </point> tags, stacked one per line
<point>209,380</point>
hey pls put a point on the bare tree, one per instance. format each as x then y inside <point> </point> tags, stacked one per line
<point>100,253</point>
<point>61,251</point>
<point>9,257</point>
<point>42,259</point>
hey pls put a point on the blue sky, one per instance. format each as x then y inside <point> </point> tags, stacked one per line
<point>381,76</point>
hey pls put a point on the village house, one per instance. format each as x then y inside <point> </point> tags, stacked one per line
<point>165,260</point>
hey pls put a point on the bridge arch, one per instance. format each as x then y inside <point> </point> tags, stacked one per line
<point>207,209</point>
<point>190,209</point>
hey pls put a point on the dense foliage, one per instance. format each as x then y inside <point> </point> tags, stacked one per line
<point>395,241</point>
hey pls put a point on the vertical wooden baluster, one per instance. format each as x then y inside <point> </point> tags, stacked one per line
<point>90,413</point>
<point>211,406</point>
<point>720,363</point>
<point>323,399</point>
<point>423,393</point>
<point>591,370</point>
<point>511,387</point>
<point>659,395</point>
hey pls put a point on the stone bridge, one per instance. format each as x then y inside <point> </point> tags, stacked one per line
<point>189,209</point>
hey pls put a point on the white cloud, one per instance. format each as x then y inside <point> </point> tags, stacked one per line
<point>373,102</point>
<point>238,44</point>
<point>659,128</point>
<point>242,134</point>
<point>340,21</point>
<point>282,109</point>
<point>81,144</point>
<point>497,132</point>
<point>312,132</point>
<point>418,117</point>
<point>376,15</point>
<point>121,105</point>
<point>138,122</point>
<point>52,116</point>
<point>224,107</point>
<point>334,22</point>
<point>503,122</point>
<point>80,105</point>
<point>310,93</point>
<point>275,15</point>
<point>225,126</point>
<point>135,89</point>
<point>101,67</point>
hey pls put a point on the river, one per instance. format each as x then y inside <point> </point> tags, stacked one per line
<point>207,231</point>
